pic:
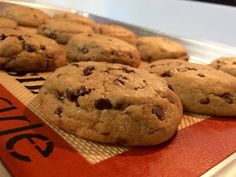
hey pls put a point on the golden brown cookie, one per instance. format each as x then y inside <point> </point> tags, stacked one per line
<point>20,51</point>
<point>111,103</point>
<point>95,47</point>
<point>202,89</point>
<point>226,64</point>
<point>62,31</point>
<point>154,48</point>
<point>25,16</point>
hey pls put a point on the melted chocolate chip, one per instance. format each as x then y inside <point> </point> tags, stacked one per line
<point>201,75</point>
<point>58,111</point>
<point>20,38</point>
<point>72,95</point>
<point>227,97</point>
<point>103,103</point>
<point>167,74</point>
<point>2,36</point>
<point>85,50</point>
<point>158,112</point>
<point>88,70</point>
<point>83,90</point>
<point>29,48</point>
<point>42,47</point>
<point>205,101</point>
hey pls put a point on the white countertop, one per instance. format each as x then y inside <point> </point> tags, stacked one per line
<point>191,19</point>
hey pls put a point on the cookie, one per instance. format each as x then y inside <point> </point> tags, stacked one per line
<point>111,103</point>
<point>20,51</point>
<point>7,23</point>
<point>117,32</point>
<point>62,31</point>
<point>154,48</point>
<point>25,16</point>
<point>95,47</point>
<point>75,18</point>
<point>226,64</point>
<point>201,88</point>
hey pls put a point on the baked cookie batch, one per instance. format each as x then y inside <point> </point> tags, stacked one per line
<point>116,87</point>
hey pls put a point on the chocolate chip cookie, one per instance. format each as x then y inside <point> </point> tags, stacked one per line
<point>111,103</point>
<point>62,31</point>
<point>85,47</point>
<point>226,64</point>
<point>201,88</point>
<point>7,23</point>
<point>25,16</point>
<point>117,32</point>
<point>75,18</point>
<point>20,51</point>
<point>154,48</point>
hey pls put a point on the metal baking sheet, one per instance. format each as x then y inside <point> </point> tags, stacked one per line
<point>200,52</point>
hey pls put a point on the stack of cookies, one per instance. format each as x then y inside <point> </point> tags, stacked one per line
<point>117,88</point>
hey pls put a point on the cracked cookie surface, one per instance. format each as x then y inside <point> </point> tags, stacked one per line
<point>20,51</point>
<point>201,88</point>
<point>226,64</point>
<point>62,31</point>
<point>154,48</point>
<point>25,16</point>
<point>111,103</point>
<point>96,47</point>
<point>117,32</point>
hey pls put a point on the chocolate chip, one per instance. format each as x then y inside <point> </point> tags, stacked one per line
<point>2,36</point>
<point>234,63</point>
<point>158,112</point>
<point>227,97</point>
<point>201,75</point>
<point>89,35</point>
<point>85,50</point>
<point>167,74</point>
<point>29,48</point>
<point>126,70</point>
<point>118,82</point>
<point>103,103</point>
<point>191,68</point>
<point>72,95</point>
<point>205,101</point>
<point>88,70</point>
<point>42,47</point>
<point>83,90</point>
<point>114,52</point>
<point>20,38</point>
<point>58,111</point>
